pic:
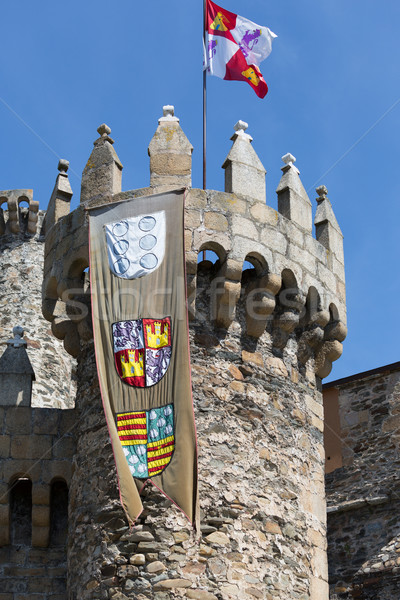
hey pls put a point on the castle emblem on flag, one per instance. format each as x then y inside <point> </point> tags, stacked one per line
<point>147,439</point>
<point>219,22</point>
<point>251,75</point>
<point>142,350</point>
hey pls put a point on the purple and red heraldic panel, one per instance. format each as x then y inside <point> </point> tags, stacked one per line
<point>142,350</point>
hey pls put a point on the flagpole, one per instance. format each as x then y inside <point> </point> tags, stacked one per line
<point>205,99</point>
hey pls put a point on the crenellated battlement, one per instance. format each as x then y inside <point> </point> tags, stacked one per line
<point>16,218</point>
<point>296,286</point>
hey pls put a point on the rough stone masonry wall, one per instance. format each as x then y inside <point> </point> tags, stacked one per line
<point>363,495</point>
<point>36,443</point>
<point>21,275</point>
<point>257,341</point>
<point>261,489</point>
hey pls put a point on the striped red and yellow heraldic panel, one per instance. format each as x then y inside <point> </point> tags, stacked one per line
<point>137,275</point>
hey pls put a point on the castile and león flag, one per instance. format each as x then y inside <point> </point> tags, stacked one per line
<point>235,47</point>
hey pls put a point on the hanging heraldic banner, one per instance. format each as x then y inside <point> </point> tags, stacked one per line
<point>137,276</point>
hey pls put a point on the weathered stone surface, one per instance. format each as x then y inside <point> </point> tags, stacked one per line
<point>156,567</point>
<point>363,484</point>
<point>271,527</point>
<point>199,595</point>
<point>168,584</point>
<point>277,366</point>
<point>254,358</point>
<point>218,538</point>
<point>138,559</point>
<point>216,221</point>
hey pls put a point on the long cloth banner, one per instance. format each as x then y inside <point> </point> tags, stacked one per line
<point>137,275</point>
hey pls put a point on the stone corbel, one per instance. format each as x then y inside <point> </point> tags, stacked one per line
<point>260,303</point>
<point>13,215</point>
<point>312,337</point>
<point>65,329</point>
<point>33,216</point>
<point>334,334</point>
<point>287,320</point>
<point>191,283</point>
<point>226,292</point>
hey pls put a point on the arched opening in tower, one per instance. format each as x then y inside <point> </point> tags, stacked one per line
<point>209,262</point>
<point>20,495</point>
<point>58,513</point>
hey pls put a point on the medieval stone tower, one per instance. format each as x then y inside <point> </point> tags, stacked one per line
<point>267,318</point>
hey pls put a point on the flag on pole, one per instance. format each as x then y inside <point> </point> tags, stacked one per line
<point>235,47</point>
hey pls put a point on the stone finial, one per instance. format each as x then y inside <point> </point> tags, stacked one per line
<point>322,193</point>
<point>170,153</point>
<point>289,160</point>
<point>63,165</point>
<point>241,126</point>
<point>327,229</point>
<point>16,372</point>
<point>102,175</point>
<point>240,130</point>
<point>293,201</point>
<point>168,114</point>
<point>104,130</point>
<point>17,341</point>
<point>244,172</point>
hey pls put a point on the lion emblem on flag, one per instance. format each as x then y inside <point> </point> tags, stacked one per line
<point>142,350</point>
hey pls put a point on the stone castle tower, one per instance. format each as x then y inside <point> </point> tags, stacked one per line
<point>267,318</point>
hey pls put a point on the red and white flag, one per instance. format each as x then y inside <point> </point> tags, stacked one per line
<point>235,47</point>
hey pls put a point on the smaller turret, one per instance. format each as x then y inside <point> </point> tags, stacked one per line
<point>59,203</point>
<point>293,202</point>
<point>244,171</point>
<point>170,153</point>
<point>103,172</point>
<point>16,372</point>
<point>327,228</point>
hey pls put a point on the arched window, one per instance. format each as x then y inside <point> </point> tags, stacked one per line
<point>58,513</point>
<point>21,512</point>
<point>23,202</point>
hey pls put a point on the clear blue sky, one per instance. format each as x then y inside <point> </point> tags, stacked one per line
<point>333,74</point>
